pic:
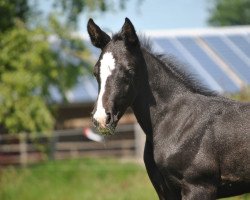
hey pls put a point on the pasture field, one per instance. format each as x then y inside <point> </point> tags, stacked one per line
<point>85,179</point>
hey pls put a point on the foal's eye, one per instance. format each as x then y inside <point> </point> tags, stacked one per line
<point>131,73</point>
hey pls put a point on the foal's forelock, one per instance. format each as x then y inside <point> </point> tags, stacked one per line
<point>107,65</point>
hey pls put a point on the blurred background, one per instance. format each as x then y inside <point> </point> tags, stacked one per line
<point>48,149</point>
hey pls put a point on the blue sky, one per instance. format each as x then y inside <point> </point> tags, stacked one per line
<point>150,15</point>
<point>154,15</point>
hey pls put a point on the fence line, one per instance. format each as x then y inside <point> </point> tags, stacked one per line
<point>23,149</point>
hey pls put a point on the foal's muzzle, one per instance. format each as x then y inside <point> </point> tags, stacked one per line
<point>106,126</point>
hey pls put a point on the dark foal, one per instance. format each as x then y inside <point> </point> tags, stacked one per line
<point>197,142</point>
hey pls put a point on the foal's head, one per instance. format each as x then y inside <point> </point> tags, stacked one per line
<point>116,72</point>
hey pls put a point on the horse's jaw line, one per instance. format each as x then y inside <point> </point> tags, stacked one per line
<point>106,68</point>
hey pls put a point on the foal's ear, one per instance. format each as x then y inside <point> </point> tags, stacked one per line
<point>98,37</point>
<point>128,33</point>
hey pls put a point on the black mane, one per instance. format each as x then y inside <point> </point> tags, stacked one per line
<point>178,69</point>
<point>174,66</point>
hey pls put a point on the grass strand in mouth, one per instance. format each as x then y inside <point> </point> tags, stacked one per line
<point>109,130</point>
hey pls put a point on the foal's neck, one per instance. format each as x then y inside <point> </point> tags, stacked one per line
<point>159,89</point>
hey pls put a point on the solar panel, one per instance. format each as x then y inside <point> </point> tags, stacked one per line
<point>172,46</point>
<point>242,43</point>
<point>231,47</point>
<point>210,66</point>
<point>169,48</point>
<point>229,56</point>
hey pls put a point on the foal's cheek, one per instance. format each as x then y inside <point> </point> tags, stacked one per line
<point>127,97</point>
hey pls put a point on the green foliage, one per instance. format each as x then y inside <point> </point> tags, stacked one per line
<point>22,107</point>
<point>230,12</point>
<point>29,68</point>
<point>11,10</point>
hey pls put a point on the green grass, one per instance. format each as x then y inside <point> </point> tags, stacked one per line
<point>93,179</point>
<point>86,179</point>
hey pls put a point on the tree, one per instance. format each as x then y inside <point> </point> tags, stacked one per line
<point>29,68</point>
<point>30,64</point>
<point>12,10</point>
<point>230,13</point>
<point>22,107</point>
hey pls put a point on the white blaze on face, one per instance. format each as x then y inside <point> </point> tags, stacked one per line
<point>106,67</point>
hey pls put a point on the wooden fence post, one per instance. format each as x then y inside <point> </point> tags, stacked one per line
<point>23,149</point>
<point>52,146</point>
<point>140,138</point>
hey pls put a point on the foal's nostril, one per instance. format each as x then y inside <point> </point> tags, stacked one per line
<point>108,118</point>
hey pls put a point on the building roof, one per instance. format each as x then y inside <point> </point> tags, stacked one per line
<point>219,57</point>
